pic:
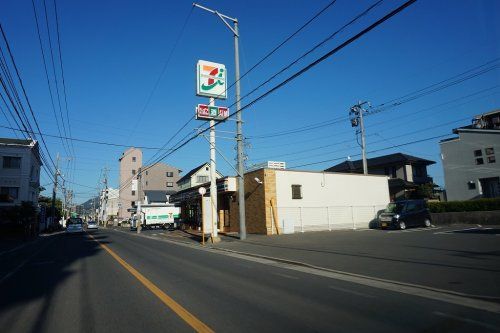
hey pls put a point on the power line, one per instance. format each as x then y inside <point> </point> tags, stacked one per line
<point>302,71</point>
<point>373,151</point>
<point>163,70</point>
<point>47,76</point>
<point>83,140</point>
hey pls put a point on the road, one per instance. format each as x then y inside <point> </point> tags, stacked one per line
<point>114,281</point>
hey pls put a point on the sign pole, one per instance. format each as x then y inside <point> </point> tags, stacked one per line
<point>213,177</point>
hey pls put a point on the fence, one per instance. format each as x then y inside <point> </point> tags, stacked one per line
<point>300,219</point>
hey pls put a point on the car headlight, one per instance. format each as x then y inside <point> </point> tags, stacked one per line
<point>396,216</point>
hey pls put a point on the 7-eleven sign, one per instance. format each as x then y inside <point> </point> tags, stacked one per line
<point>211,79</point>
<point>208,112</point>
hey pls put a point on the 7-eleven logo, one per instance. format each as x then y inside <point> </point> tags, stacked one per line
<point>214,76</point>
<point>211,79</point>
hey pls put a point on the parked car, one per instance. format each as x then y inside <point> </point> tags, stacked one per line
<point>92,226</point>
<point>403,214</point>
<point>74,225</point>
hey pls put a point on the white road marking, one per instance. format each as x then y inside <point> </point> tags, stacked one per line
<point>14,249</point>
<point>21,265</point>
<point>351,292</point>
<point>412,230</point>
<point>467,320</point>
<point>286,276</point>
<point>453,231</point>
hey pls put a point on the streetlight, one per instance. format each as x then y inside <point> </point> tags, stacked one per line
<point>239,135</point>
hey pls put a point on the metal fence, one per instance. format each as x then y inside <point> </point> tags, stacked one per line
<point>301,219</point>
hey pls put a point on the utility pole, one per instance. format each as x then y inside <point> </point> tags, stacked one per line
<point>239,131</point>
<point>105,198</point>
<point>54,191</point>
<point>356,117</point>
<point>138,214</point>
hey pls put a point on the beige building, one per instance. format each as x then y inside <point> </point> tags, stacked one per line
<point>292,201</point>
<point>130,163</point>
<point>159,177</point>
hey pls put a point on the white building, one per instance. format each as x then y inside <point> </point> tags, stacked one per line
<point>20,171</point>
<point>108,204</point>
<point>197,176</point>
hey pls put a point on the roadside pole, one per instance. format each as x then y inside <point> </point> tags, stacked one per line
<point>202,192</point>
<point>54,191</point>
<point>138,217</point>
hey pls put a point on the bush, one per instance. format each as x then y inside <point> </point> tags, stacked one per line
<point>465,206</point>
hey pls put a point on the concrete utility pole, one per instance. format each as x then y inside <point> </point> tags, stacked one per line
<point>356,117</point>
<point>138,215</point>
<point>239,131</point>
<point>54,191</point>
<point>105,198</point>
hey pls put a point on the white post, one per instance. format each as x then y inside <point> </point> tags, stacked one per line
<point>301,223</point>
<point>352,218</point>
<point>213,175</point>
<point>328,218</point>
<point>138,218</point>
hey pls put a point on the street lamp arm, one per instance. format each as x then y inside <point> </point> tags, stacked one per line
<point>227,24</point>
<point>214,12</point>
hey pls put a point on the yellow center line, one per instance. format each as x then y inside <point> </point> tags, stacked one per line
<point>188,317</point>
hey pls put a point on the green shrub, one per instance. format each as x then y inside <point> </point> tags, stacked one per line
<point>465,206</point>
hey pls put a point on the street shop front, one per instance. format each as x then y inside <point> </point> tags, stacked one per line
<point>190,202</point>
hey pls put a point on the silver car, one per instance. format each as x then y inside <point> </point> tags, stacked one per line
<point>74,225</point>
<point>92,226</point>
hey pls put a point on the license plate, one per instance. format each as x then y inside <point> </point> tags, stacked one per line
<point>384,224</point>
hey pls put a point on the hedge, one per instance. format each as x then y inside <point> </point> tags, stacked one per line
<point>465,206</point>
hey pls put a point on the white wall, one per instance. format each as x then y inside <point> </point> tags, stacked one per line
<point>27,178</point>
<point>330,200</point>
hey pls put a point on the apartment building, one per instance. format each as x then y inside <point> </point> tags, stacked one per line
<point>20,171</point>
<point>470,164</point>
<point>130,164</point>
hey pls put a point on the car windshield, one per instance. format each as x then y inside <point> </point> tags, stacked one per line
<point>75,221</point>
<point>394,207</point>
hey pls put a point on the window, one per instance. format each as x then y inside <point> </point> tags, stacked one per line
<point>133,192</point>
<point>478,153</point>
<point>170,184</point>
<point>202,179</point>
<point>471,185</point>
<point>147,173</point>
<point>491,159</point>
<point>133,203</point>
<point>206,168</point>
<point>133,171</point>
<point>10,162</point>
<point>170,174</point>
<point>146,183</point>
<point>9,194</point>
<point>489,151</point>
<point>479,161</point>
<point>133,159</point>
<point>296,191</point>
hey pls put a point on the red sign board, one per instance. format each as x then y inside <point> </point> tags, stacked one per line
<point>207,112</point>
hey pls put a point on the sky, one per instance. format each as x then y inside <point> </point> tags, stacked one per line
<point>129,72</point>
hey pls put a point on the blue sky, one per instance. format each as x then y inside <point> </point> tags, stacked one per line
<point>113,53</point>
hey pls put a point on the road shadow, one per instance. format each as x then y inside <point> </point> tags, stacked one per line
<point>366,256</point>
<point>47,266</point>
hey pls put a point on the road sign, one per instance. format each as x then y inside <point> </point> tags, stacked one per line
<point>207,112</point>
<point>202,190</point>
<point>211,79</point>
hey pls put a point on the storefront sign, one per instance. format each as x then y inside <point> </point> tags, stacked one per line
<point>207,112</point>
<point>211,79</point>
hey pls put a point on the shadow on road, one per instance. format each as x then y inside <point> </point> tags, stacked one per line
<point>47,268</point>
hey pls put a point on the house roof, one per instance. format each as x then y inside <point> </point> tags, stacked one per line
<point>10,141</point>
<point>157,195</point>
<point>392,159</point>
<point>195,170</point>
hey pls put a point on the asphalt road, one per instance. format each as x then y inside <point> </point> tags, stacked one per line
<point>70,283</point>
